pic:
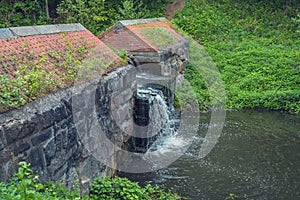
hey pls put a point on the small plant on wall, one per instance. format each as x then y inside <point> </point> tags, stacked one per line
<point>32,79</point>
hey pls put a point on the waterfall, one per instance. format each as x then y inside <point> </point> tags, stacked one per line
<point>156,122</point>
<point>159,136</point>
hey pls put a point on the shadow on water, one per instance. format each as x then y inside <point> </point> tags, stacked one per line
<point>258,156</point>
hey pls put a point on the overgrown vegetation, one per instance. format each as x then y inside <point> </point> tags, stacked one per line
<point>254,44</point>
<point>25,185</point>
<point>32,79</point>
<point>122,188</point>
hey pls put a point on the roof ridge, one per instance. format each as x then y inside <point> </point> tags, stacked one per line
<point>123,23</point>
<point>22,31</point>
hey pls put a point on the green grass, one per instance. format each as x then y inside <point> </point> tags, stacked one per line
<point>256,47</point>
<point>158,36</point>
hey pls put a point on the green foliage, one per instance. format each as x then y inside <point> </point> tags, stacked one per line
<point>25,185</point>
<point>116,188</point>
<point>235,197</point>
<point>195,89</point>
<point>254,44</point>
<point>122,188</point>
<point>136,9</point>
<point>94,15</point>
<point>123,56</point>
<point>10,93</point>
<point>32,80</point>
<point>21,13</point>
<point>131,9</point>
<point>99,15</point>
<point>158,36</point>
<point>297,21</point>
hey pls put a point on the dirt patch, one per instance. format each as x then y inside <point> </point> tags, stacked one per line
<point>173,7</point>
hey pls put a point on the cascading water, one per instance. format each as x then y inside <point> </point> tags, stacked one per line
<point>151,117</point>
<point>156,125</point>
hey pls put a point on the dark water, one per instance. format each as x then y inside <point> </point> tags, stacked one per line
<point>258,156</point>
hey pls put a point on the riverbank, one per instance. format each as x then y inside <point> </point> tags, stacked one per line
<point>256,47</point>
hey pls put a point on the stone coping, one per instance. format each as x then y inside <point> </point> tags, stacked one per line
<point>23,31</point>
<point>125,23</point>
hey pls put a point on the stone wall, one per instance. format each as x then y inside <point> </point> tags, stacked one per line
<point>47,133</point>
<point>77,134</point>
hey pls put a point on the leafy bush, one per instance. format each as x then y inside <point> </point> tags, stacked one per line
<point>25,185</point>
<point>122,188</point>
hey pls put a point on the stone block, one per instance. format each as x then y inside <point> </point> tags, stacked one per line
<point>2,139</point>
<point>5,33</point>
<point>7,167</point>
<point>115,103</point>
<point>150,68</point>
<point>129,78</point>
<point>68,105</point>
<point>16,130</point>
<point>58,173</point>
<point>42,137</point>
<point>54,115</point>
<point>126,95</point>
<point>36,159</point>
<point>122,114</point>
<point>113,84</point>
<point>80,27</point>
<point>70,27</point>
<point>47,29</point>
<point>24,31</point>
<point>147,59</point>
<point>21,147</point>
<point>49,151</point>
<point>72,136</point>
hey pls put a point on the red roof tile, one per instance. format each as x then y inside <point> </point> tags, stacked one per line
<point>131,36</point>
<point>14,50</point>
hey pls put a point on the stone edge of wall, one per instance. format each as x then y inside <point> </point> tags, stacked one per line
<point>14,32</point>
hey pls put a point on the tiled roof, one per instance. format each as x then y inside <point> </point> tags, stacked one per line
<point>17,42</point>
<point>128,34</point>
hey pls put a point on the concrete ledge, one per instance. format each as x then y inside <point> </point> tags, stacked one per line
<point>23,31</point>
<point>47,29</point>
<point>124,23</point>
<point>70,27</point>
<point>6,33</point>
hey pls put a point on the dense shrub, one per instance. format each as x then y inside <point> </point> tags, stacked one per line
<point>122,188</point>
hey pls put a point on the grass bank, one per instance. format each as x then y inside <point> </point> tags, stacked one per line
<point>254,44</point>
